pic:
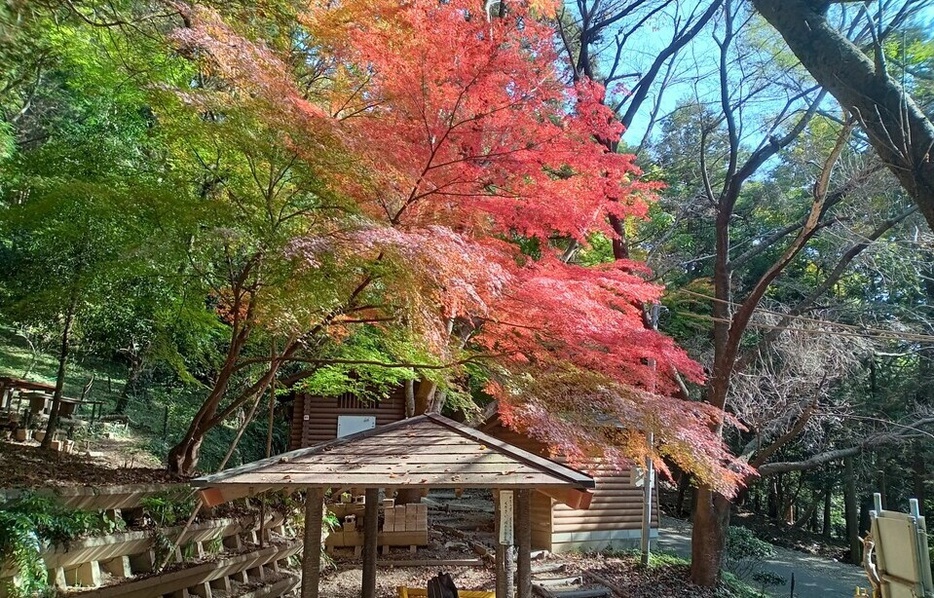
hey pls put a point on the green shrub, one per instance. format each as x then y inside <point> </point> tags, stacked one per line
<point>32,523</point>
<point>169,507</point>
<point>745,552</point>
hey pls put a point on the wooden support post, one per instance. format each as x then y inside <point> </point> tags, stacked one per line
<point>222,584</point>
<point>510,569</point>
<point>256,573</point>
<point>117,566</point>
<point>203,590</point>
<point>524,542</point>
<point>311,559</point>
<point>647,503</point>
<point>233,542</point>
<point>57,578</point>
<point>88,574</point>
<point>144,562</point>
<point>370,537</point>
<point>500,562</point>
<point>504,545</point>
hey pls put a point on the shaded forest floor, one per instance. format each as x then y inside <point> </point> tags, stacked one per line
<point>110,461</point>
<point>455,523</point>
<point>774,532</point>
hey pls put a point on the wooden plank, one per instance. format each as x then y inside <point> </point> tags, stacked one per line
<point>491,463</point>
<point>355,538</point>
<point>571,516</point>
<point>167,583</point>
<point>529,471</point>
<point>447,480</point>
<point>432,563</point>
<point>389,520</point>
<point>597,526</point>
<point>421,517</point>
<point>410,517</point>
<point>572,475</point>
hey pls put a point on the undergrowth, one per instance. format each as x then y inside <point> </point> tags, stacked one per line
<point>32,523</point>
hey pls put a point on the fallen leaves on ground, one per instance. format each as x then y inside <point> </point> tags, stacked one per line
<point>28,466</point>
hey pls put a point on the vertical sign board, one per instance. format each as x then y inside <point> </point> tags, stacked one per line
<point>506,510</point>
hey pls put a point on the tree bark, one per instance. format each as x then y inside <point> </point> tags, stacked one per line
<point>311,555</point>
<point>918,471</point>
<point>63,353</point>
<point>708,537</point>
<point>897,128</point>
<point>524,542</point>
<point>183,457</point>
<point>136,369</point>
<point>850,508</point>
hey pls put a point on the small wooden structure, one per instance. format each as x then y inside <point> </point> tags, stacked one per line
<point>319,419</point>
<point>403,525</point>
<point>425,451</point>
<point>14,388</point>
<point>902,567</point>
<point>613,518</point>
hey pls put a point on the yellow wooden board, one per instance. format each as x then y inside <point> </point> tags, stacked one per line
<point>405,592</point>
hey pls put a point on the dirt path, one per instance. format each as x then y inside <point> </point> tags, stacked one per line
<point>815,577</point>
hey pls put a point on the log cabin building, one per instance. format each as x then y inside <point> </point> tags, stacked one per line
<point>317,419</point>
<point>613,520</point>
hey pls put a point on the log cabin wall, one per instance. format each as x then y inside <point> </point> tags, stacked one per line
<point>614,518</point>
<point>314,418</point>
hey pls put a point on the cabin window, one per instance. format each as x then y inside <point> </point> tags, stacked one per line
<point>348,400</point>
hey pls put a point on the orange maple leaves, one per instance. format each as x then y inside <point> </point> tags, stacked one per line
<point>454,136</point>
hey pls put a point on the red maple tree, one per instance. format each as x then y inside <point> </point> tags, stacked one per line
<point>459,144</point>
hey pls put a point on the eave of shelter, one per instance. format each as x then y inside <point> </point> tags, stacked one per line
<point>427,451</point>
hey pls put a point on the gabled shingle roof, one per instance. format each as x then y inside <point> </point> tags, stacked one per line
<point>427,451</point>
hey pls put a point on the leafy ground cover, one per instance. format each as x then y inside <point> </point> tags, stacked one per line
<point>26,466</point>
<point>666,576</point>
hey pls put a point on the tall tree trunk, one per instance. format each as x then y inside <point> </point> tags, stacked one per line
<point>918,471</point>
<point>850,509</point>
<point>183,457</point>
<point>684,485</point>
<point>422,396</point>
<point>773,498</point>
<point>828,495</point>
<point>708,538</point>
<point>897,128</point>
<point>63,353</point>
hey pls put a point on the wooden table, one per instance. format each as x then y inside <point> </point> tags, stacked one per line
<point>10,386</point>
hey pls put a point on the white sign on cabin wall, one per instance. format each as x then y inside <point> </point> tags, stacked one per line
<point>351,424</point>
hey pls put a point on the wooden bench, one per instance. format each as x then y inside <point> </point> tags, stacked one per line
<point>405,592</point>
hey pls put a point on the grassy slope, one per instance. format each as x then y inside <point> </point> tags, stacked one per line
<point>18,360</point>
<point>159,414</point>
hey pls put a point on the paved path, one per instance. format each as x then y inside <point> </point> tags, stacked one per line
<point>815,577</point>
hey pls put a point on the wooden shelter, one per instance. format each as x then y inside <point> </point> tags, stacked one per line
<point>427,451</point>
<point>613,519</point>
